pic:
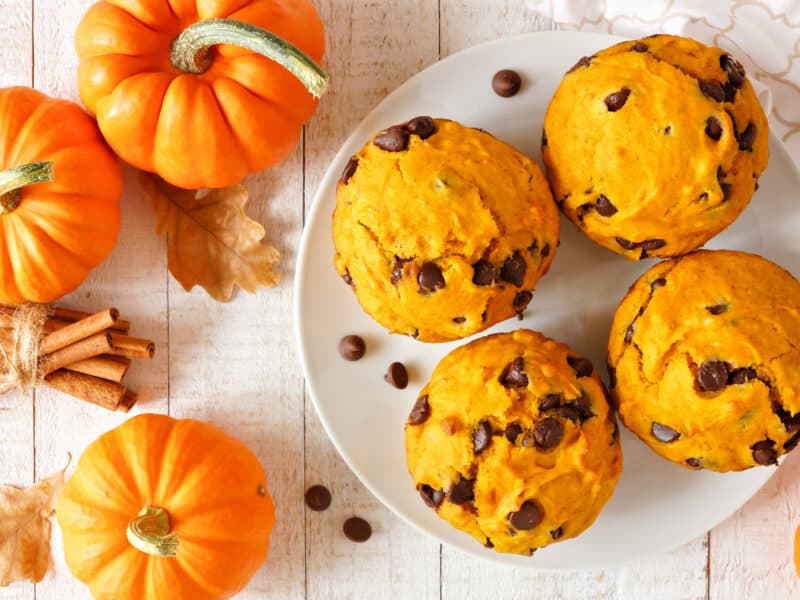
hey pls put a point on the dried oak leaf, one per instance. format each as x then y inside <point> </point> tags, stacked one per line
<point>211,240</point>
<point>25,529</point>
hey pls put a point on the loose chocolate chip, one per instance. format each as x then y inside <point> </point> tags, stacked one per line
<point>527,517</point>
<point>514,374</point>
<point>459,320</point>
<point>617,100</point>
<point>604,206</point>
<point>626,244</point>
<point>548,432</point>
<point>522,299</point>
<point>397,375</point>
<point>352,347</point>
<point>713,89</point>
<point>349,169</point>
<point>394,139</point>
<point>397,269</point>
<point>712,375</point>
<point>741,375</point>
<point>483,273</point>
<point>423,127</point>
<point>764,452</point>
<point>512,431</point>
<point>318,497</point>
<point>506,83</point>
<point>569,411</point>
<point>430,277</point>
<point>717,309</point>
<point>557,533</point>
<point>347,279</point>
<point>639,46</point>
<point>544,138</point>
<point>612,377</point>
<point>513,269</point>
<point>663,433</point>
<point>550,401</point>
<point>583,62</point>
<point>713,128</point>
<point>694,462</point>
<point>357,529</point>
<point>461,491</point>
<point>733,68</point>
<point>747,137</point>
<point>658,283</point>
<point>629,333</point>
<point>431,496</point>
<point>653,244</point>
<point>545,250</point>
<point>583,366</point>
<point>420,412</point>
<point>482,437</point>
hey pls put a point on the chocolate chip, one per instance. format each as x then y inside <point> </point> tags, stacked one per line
<point>617,100</point>
<point>569,411</point>
<point>482,437</point>
<point>713,89</point>
<point>544,138</point>
<point>668,130</point>
<point>484,315</point>
<point>557,533</point>
<point>629,333</point>
<point>694,462</point>
<point>488,543</point>
<point>393,139</point>
<point>658,283</point>
<point>604,206</point>
<point>420,412</point>
<point>483,273</point>
<point>347,279</point>
<point>522,299</point>
<point>764,452</point>
<point>431,496</point>
<point>733,68</point>
<point>397,375</point>
<point>430,277</point>
<point>742,375</point>
<point>397,269</point>
<point>747,137</point>
<point>461,491</point>
<point>349,169</point>
<point>550,401</point>
<point>712,375</point>
<point>357,529</point>
<point>548,432</point>
<point>546,250</point>
<point>352,347</point>
<point>512,431</point>
<point>513,269</point>
<point>790,422</point>
<point>653,244</point>
<point>459,320</point>
<point>626,244</point>
<point>791,443</point>
<point>527,517</point>
<point>318,498</point>
<point>583,62</point>
<point>730,91</point>
<point>514,374</point>
<point>583,406</point>
<point>717,309</point>
<point>639,46</point>
<point>583,366</point>
<point>612,377</point>
<point>663,433</point>
<point>713,128</point>
<point>506,83</point>
<point>423,127</point>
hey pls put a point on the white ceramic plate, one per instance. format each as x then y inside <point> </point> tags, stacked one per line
<point>657,506</point>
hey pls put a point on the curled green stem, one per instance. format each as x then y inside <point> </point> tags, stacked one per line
<point>149,533</point>
<point>14,179</point>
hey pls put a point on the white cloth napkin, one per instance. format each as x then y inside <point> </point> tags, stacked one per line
<point>764,35</point>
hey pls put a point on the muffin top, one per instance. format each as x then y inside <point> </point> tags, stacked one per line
<point>654,146</point>
<point>705,360</point>
<point>442,230</point>
<point>513,442</point>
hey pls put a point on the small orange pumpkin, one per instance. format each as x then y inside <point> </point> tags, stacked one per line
<point>59,196</point>
<point>165,508</point>
<point>201,92</point>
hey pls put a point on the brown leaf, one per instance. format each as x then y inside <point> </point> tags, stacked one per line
<point>25,529</point>
<point>211,241</point>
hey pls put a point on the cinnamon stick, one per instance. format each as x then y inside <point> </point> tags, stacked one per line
<point>112,368</point>
<point>100,343</point>
<point>131,347</point>
<point>79,330</point>
<point>128,401</point>
<point>107,394</point>
<point>68,315</point>
<point>54,323</point>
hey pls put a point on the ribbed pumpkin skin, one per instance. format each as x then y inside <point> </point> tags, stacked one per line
<point>63,229</point>
<point>243,115</point>
<point>209,484</point>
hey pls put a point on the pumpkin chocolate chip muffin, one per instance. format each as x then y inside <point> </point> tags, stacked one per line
<point>654,146</point>
<point>514,442</point>
<point>704,358</point>
<point>442,230</point>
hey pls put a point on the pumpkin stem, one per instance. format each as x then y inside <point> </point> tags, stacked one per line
<point>13,180</point>
<point>191,50</point>
<point>149,533</point>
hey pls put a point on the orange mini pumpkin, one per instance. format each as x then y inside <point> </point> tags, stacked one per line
<point>165,508</point>
<point>201,92</point>
<point>59,196</point>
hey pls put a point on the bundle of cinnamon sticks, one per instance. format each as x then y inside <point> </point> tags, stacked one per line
<point>87,355</point>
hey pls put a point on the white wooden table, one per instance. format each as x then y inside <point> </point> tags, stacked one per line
<point>235,365</point>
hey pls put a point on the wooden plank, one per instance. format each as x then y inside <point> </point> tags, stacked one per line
<point>134,279</point>
<point>679,574</point>
<point>372,47</point>
<point>751,553</point>
<point>16,411</point>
